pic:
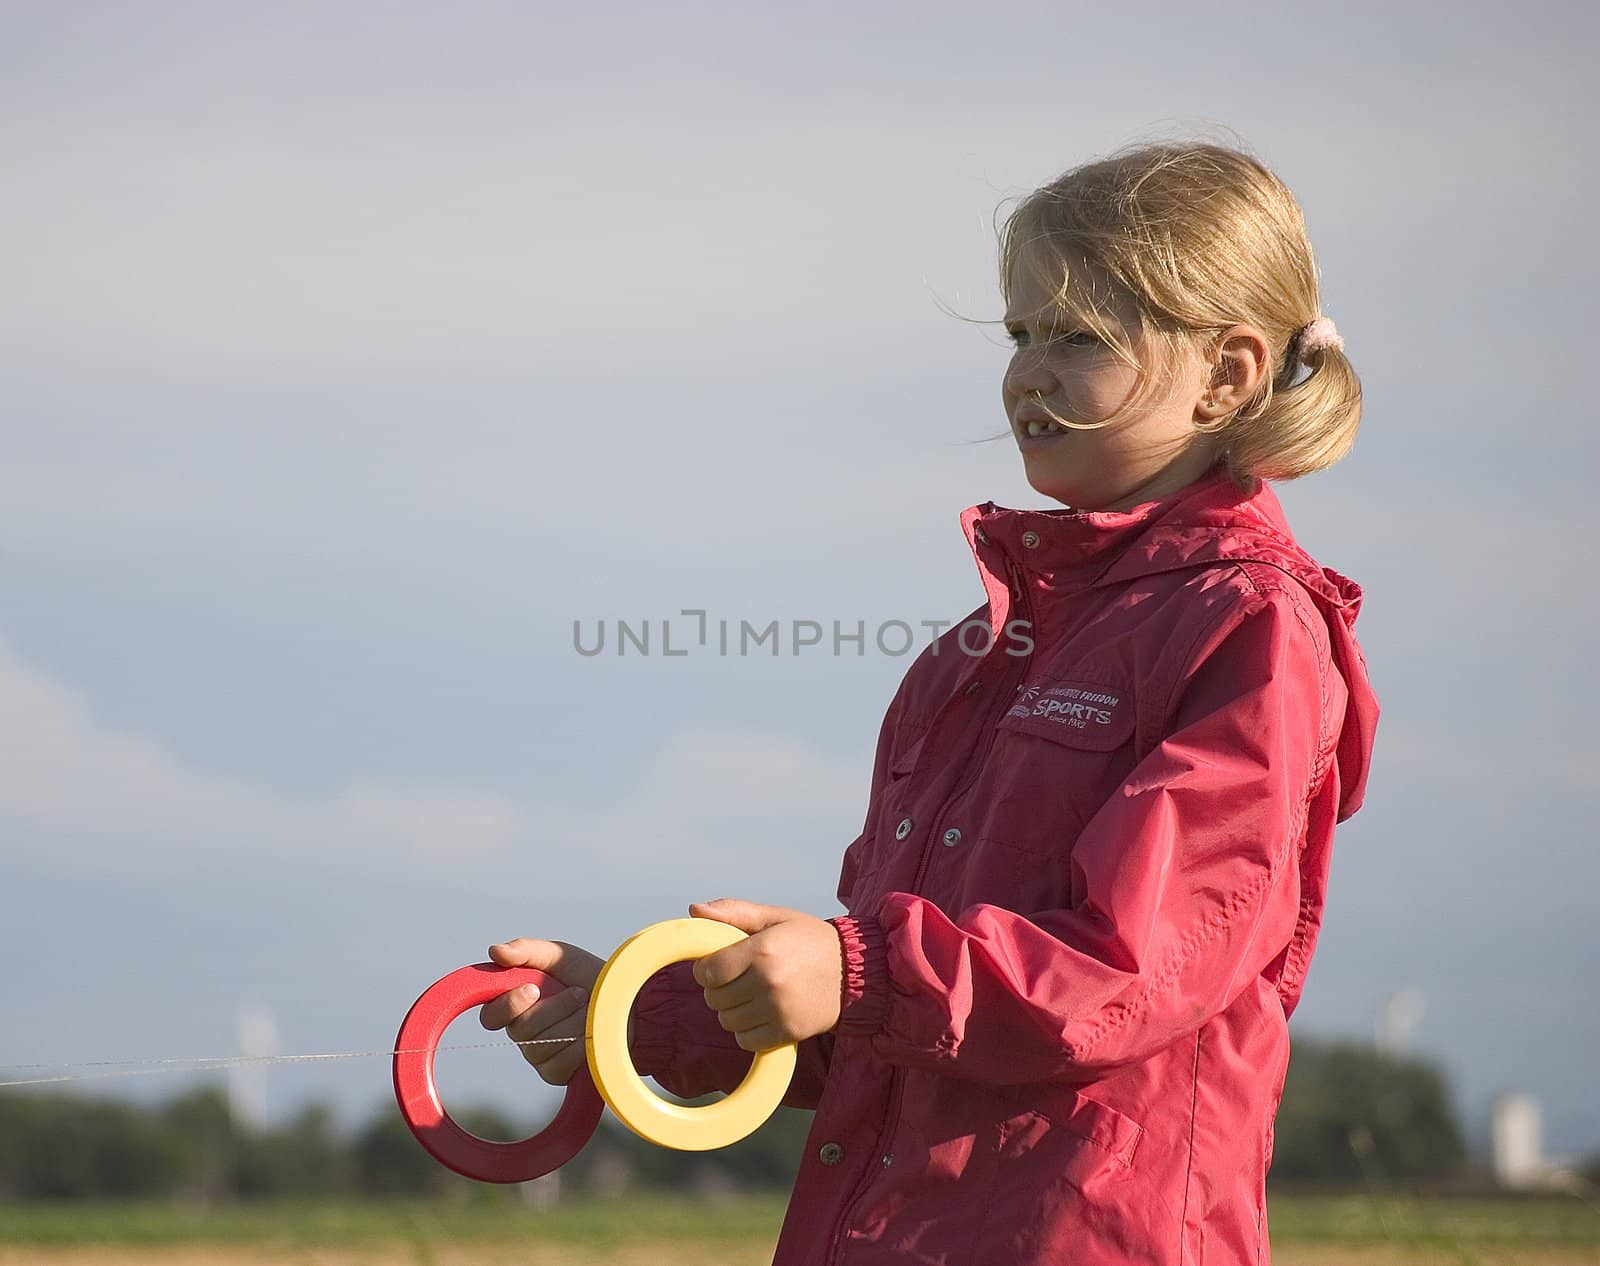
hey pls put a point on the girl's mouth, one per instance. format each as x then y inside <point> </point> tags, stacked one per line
<point>1034,431</point>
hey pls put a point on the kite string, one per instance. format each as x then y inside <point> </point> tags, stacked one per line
<point>201,1063</point>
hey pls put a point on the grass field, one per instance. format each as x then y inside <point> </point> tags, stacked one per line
<point>654,1230</point>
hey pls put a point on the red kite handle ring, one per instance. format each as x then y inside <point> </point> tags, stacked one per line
<point>447,1142</point>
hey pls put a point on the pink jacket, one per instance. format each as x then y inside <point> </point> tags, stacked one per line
<point>1082,905</point>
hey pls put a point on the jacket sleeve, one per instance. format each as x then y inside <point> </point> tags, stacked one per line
<point>680,1041</point>
<point>1187,874</point>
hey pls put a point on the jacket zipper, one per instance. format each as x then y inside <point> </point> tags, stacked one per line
<point>896,1078</point>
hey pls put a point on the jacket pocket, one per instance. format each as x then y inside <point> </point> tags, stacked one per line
<point>854,871</point>
<point>1092,716</point>
<point>866,854</point>
<point>1114,1134</point>
<point>1063,1186</point>
<point>1058,755</point>
<point>905,760</point>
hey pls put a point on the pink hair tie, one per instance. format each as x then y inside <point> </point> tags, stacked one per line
<point>1317,335</point>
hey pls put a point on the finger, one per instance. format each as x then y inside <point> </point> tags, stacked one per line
<point>764,1038</point>
<point>499,1012</point>
<point>546,1019</point>
<point>563,1066</point>
<point>527,952</point>
<point>746,989</point>
<point>560,1048</point>
<point>569,964</point>
<point>747,916</point>
<point>742,1018</point>
<point>715,971</point>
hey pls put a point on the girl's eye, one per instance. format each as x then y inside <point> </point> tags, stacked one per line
<point>1073,338</point>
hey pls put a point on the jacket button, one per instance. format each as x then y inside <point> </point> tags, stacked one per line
<point>975,686</point>
<point>903,830</point>
<point>830,1153</point>
<point>887,1161</point>
<point>1030,539</point>
<point>952,837</point>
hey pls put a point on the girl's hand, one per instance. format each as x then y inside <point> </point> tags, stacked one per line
<point>522,1014</point>
<point>782,984</point>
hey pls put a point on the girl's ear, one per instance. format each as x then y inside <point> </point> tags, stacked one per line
<point>1243,360</point>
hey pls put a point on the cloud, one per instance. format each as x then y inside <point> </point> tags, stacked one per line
<point>397,217</point>
<point>86,787</point>
<point>92,792</point>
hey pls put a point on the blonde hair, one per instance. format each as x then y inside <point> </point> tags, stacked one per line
<point>1191,238</point>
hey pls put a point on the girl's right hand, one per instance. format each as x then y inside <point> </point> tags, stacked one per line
<point>523,1014</point>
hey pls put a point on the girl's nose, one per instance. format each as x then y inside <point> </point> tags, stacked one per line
<point>1024,380</point>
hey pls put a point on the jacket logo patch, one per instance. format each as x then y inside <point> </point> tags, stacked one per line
<point>1078,713</point>
<point>1077,706</point>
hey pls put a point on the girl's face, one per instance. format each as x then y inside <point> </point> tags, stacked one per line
<point>1152,452</point>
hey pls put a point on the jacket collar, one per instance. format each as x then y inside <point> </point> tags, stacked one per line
<point>1057,553</point>
<point>1207,521</point>
<point>1063,550</point>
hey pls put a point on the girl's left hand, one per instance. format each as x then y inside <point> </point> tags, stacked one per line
<point>782,984</point>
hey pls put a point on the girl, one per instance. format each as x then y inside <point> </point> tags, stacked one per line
<point>1053,1025</point>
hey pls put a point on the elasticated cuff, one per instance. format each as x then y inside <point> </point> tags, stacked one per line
<point>864,991</point>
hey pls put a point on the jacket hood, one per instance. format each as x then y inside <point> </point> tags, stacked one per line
<point>1207,522</point>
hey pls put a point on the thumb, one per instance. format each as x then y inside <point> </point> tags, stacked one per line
<point>747,916</point>
<point>546,956</point>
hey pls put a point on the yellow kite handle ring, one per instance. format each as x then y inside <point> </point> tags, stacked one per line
<point>605,1035</point>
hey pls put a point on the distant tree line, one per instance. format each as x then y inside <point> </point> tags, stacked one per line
<point>59,1146</point>
<point>1348,1114</point>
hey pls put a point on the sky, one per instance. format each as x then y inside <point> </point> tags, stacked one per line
<point>352,353</point>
